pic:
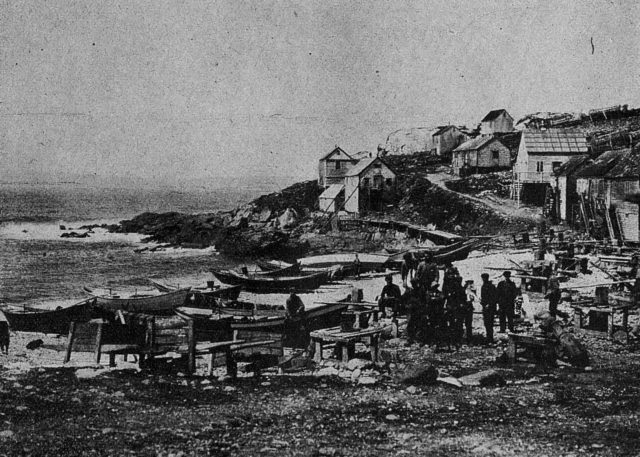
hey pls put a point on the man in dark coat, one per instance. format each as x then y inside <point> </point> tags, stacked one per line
<point>488,300</point>
<point>416,324</point>
<point>427,273</point>
<point>507,293</point>
<point>294,306</point>
<point>389,297</point>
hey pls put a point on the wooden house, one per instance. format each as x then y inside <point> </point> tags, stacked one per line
<point>333,167</point>
<point>368,186</point>
<point>623,182</point>
<point>480,155</point>
<point>590,181</point>
<point>539,154</point>
<point>446,138</point>
<point>496,121</point>
<point>565,186</point>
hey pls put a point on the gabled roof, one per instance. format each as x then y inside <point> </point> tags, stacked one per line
<point>628,166</point>
<point>555,142</point>
<point>332,191</point>
<point>572,165</point>
<point>337,149</point>
<point>492,115</point>
<point>363,165</point>
<point>475,143</point>
<point>442,128</point>
<point>601,165</point>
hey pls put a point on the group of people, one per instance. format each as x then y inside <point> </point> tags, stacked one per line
<point>445,315</point>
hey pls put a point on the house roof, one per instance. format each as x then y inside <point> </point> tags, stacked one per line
<point>332,191</point>
<point>363,165</point>
<point>572,165</point>
<point>475,143</point>
<point>600,165</point>
<point>492,115</point>
<point>442,128</point>
<point>628,166</point>
<point>337,149</point>
<point>555,142</point>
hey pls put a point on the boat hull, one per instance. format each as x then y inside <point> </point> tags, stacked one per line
<point>54,321</point>
<point>268,285</point>
<point>157,304</point>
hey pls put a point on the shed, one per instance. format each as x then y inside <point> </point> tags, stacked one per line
<point>481,155</point>
<point>591,178</point>
<point>496,121</point>
<point>332,199</point>
<point>369,186</point>
<point>446,138</point>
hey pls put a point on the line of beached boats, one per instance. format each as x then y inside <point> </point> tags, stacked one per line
<point>219,304</point>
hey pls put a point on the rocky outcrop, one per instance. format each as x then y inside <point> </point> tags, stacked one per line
<point>409,141</point>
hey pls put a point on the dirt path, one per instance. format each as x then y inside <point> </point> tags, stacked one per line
<point>500,205</point>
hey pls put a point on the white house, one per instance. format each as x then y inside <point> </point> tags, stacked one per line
<point>496,121</point>
<point>333,166</point>
<point>539,154</point>
<point>368,186</point>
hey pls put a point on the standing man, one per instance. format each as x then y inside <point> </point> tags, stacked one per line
<point>417,313</point>
<point>553,293</point>
<point>467,311</point>
<point>407,269</point>
<point>427,273</point>
<point>507,292</point>
<point>390,296</point>
<point>488,300</point>
<point>357,265</point>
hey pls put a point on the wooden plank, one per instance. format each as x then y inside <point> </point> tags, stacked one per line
<point>72,328</point>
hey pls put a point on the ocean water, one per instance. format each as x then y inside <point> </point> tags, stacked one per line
<point>38,267</point>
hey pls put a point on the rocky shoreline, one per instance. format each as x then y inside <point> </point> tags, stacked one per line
<point>287,224</point>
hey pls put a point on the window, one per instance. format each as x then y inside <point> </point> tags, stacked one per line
<point>377,165</point>
<point>365,182</point>
<point>389,182</point>
<point>540,167</point>
<point>337,164</point>
<point>555,165</point>
<point>495,155</point>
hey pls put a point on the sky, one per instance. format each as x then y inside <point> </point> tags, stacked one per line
<point>181,91</point>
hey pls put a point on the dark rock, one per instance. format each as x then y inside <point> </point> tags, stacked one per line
<point>420,376</point>
<point>35,344</point>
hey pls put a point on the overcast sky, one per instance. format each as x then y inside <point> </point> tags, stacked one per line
<point>200,89</point>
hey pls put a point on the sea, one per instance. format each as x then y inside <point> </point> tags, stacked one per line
<point>40,268</point>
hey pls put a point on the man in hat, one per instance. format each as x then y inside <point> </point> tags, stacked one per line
<point>467,311</point>
<point>488,300</point>
<point>390,296</point>
<point>507,293</point>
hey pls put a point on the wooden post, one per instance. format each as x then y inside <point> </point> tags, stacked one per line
<point>98,343</point>
<point>72,329</point>
<point>317,355</point>
<point>345,352</point>
<point>191,339</point>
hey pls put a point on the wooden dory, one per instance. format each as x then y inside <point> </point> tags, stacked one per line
<point>368,262</point>
<point>151,302</point>
<point>203,297</point>
<point>268,284</point>
<point>48,321</point>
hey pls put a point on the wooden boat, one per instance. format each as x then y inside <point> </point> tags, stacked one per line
<point>150,302</point>
<point>443,254</point>
<point>203,297</point>
<point>48,321</point>
<point>268,284</point>
<point>275,268</point>
<point>368,262</point>
<point>323,316</point>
